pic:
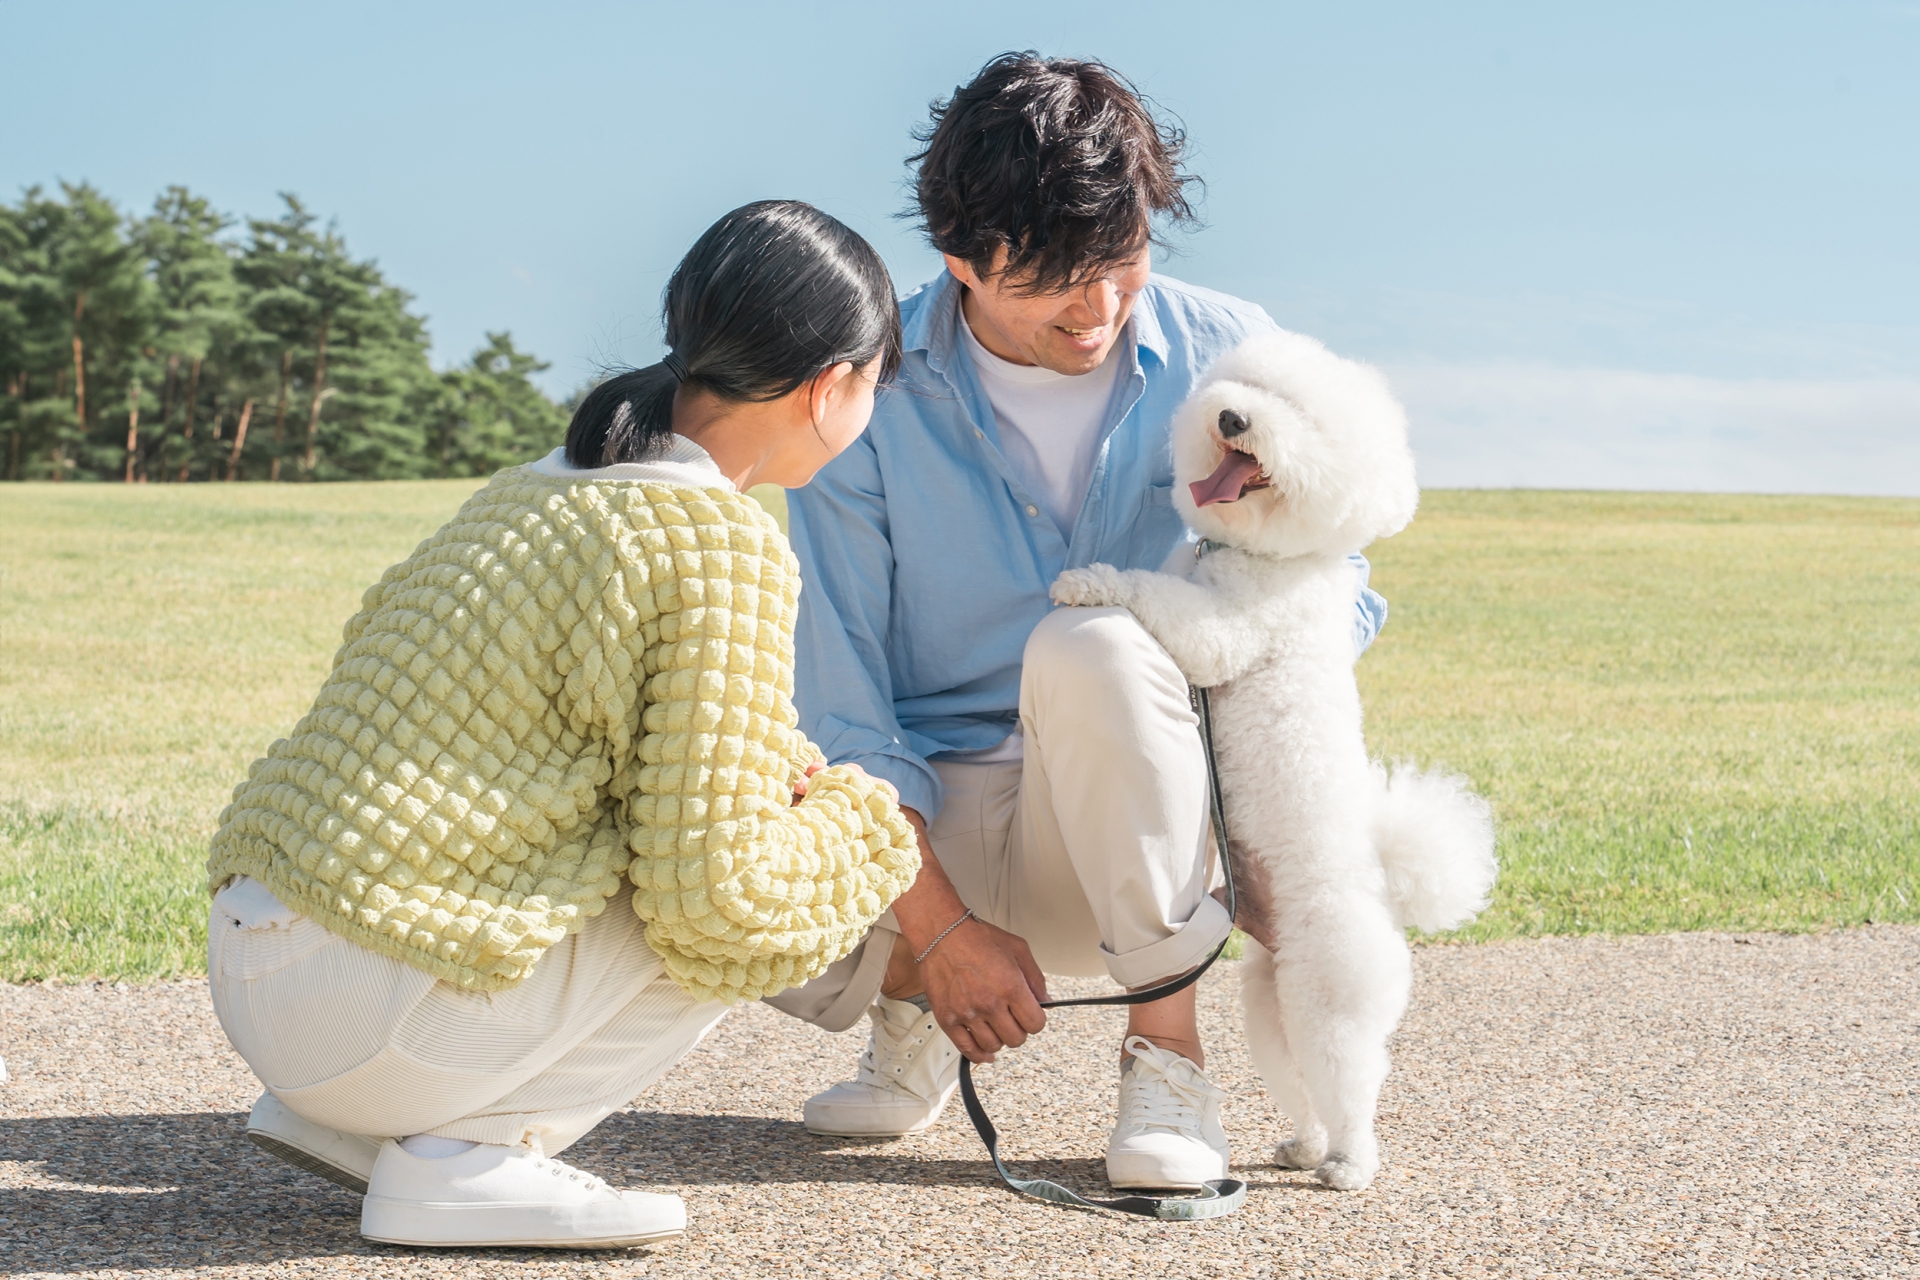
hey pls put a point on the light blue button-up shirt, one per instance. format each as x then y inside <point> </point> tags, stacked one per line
<point>926,560</point>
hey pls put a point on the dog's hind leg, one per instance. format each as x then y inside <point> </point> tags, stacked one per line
<point>1273,1057</point>
<point>1346,986</point>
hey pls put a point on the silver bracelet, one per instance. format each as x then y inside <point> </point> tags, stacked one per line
<point>943,933</point>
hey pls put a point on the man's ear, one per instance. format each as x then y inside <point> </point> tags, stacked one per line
<point>963,271</point>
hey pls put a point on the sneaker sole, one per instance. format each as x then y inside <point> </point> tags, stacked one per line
<point>465,1226</point>
<point>621,1242</point>
<point>305,1160</point>
<point>932,1119</point>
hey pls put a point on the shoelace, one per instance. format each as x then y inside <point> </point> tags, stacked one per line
<point>1159,1097</point>
<point>884,1062</point>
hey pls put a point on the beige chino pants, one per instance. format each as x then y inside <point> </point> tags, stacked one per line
<point>1094,847</point>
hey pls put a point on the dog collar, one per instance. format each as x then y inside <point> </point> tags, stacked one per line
<point>1205,547</point>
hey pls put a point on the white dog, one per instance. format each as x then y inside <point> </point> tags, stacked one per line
<point>1289,459</point>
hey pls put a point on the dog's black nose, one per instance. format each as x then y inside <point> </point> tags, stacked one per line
<point>1232,423</point>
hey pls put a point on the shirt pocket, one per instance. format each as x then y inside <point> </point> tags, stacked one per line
<point>1157,529</point>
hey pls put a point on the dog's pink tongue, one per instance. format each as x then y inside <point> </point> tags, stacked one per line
<point>1228,480</point>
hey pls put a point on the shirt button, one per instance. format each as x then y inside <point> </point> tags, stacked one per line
<point>978,434</point>
<point>1032,510</point>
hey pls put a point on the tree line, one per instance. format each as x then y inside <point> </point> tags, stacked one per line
<point>181,346</point>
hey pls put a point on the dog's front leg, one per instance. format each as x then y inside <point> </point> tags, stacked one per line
<point>1205,632</point>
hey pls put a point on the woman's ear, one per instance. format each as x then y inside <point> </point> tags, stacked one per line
<point>827,385</point>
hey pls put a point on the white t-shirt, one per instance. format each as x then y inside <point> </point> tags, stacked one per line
<point>1049,434</point>
<point>1049,425</point>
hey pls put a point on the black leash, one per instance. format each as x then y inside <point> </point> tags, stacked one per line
<point>1221,1196</point>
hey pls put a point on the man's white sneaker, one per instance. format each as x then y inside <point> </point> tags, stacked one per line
<point>501,1197</point>
<point>1169,1133</point>
<point>908,1072</point>
<point>343,1158</point>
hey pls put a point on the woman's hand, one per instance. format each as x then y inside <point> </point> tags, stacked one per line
<point>800,788</point>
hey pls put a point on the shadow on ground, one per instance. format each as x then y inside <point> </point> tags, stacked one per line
<point>187,1190</point>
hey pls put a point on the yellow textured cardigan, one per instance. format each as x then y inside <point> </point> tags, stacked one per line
<point>574,678</point>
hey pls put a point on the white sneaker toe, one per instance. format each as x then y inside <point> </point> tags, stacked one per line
<point>1169,1134</point>
<point>854,1110</point>
<point>508,1197</point>
<point>908,1073</point>
<point>342,1158</point>
<point>1160,1159</point>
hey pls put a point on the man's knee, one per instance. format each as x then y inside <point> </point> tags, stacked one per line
<point>1079,650</point>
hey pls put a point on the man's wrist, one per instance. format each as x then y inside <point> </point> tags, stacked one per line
<point>931,903</point>
<point>939,937</point>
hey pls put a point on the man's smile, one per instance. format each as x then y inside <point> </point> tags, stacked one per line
<point>1087,335</point>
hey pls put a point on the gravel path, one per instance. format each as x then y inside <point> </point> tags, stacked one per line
<point>1686,1105</point>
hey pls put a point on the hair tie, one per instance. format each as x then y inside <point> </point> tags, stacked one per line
<point>676,366</point>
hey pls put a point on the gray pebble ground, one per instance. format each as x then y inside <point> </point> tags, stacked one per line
<point>1688,1105</point>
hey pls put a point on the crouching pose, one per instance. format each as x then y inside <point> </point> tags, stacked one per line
<point>550,813</point>
<point>1048,756</point>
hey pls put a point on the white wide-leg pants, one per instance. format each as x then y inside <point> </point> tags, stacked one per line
<point>1095,846</point>
<point>363,1043</point>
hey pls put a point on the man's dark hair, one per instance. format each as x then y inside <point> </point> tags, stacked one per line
<point>1059,162</point>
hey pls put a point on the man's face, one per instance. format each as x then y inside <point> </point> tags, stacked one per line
<point>1068,332</point>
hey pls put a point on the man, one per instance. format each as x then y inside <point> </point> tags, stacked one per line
<point>1048,758</point>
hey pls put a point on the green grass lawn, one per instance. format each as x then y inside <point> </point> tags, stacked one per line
<point>1690,712</point>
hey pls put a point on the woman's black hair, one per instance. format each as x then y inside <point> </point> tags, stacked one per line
<point>768,297</point>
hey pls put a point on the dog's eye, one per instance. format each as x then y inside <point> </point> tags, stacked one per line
<point>1232,423</point>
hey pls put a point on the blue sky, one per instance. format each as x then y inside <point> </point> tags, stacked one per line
<point>1622,245</point>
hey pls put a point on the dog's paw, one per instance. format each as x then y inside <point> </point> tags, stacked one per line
<point>1097,584</point>
<point>1345,1173</point>
<point>1297,1153</point>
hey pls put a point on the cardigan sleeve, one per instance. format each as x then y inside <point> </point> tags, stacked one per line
<point>744,892</point>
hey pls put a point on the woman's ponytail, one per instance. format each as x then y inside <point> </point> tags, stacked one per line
<point>625,418</point>
<point>768,297</point>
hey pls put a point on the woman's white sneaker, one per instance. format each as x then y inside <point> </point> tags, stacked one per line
<point>907,1074</point>
<point>343,1158</point>
<point>1169,1133</point>
<point>501,1197</point>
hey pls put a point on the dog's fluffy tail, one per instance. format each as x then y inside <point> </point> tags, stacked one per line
<point>1435,839</point>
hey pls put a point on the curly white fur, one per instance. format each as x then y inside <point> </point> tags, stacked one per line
<point>1336,857</point>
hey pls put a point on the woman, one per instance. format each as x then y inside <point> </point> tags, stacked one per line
<point>550,815</point>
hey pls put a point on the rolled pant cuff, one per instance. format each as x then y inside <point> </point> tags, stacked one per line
<point>1190,944</point>
<point>836,999</point>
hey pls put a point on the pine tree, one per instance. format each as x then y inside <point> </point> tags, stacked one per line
<point>163,349</point>
<point>78,305</point>
<point>13,340</point>
<point>197,311</point>
<point>488,414</point>
<point>345,337</point>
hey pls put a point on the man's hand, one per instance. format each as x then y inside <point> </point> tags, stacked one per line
<point>985,989</point>
<point>982,982</point>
